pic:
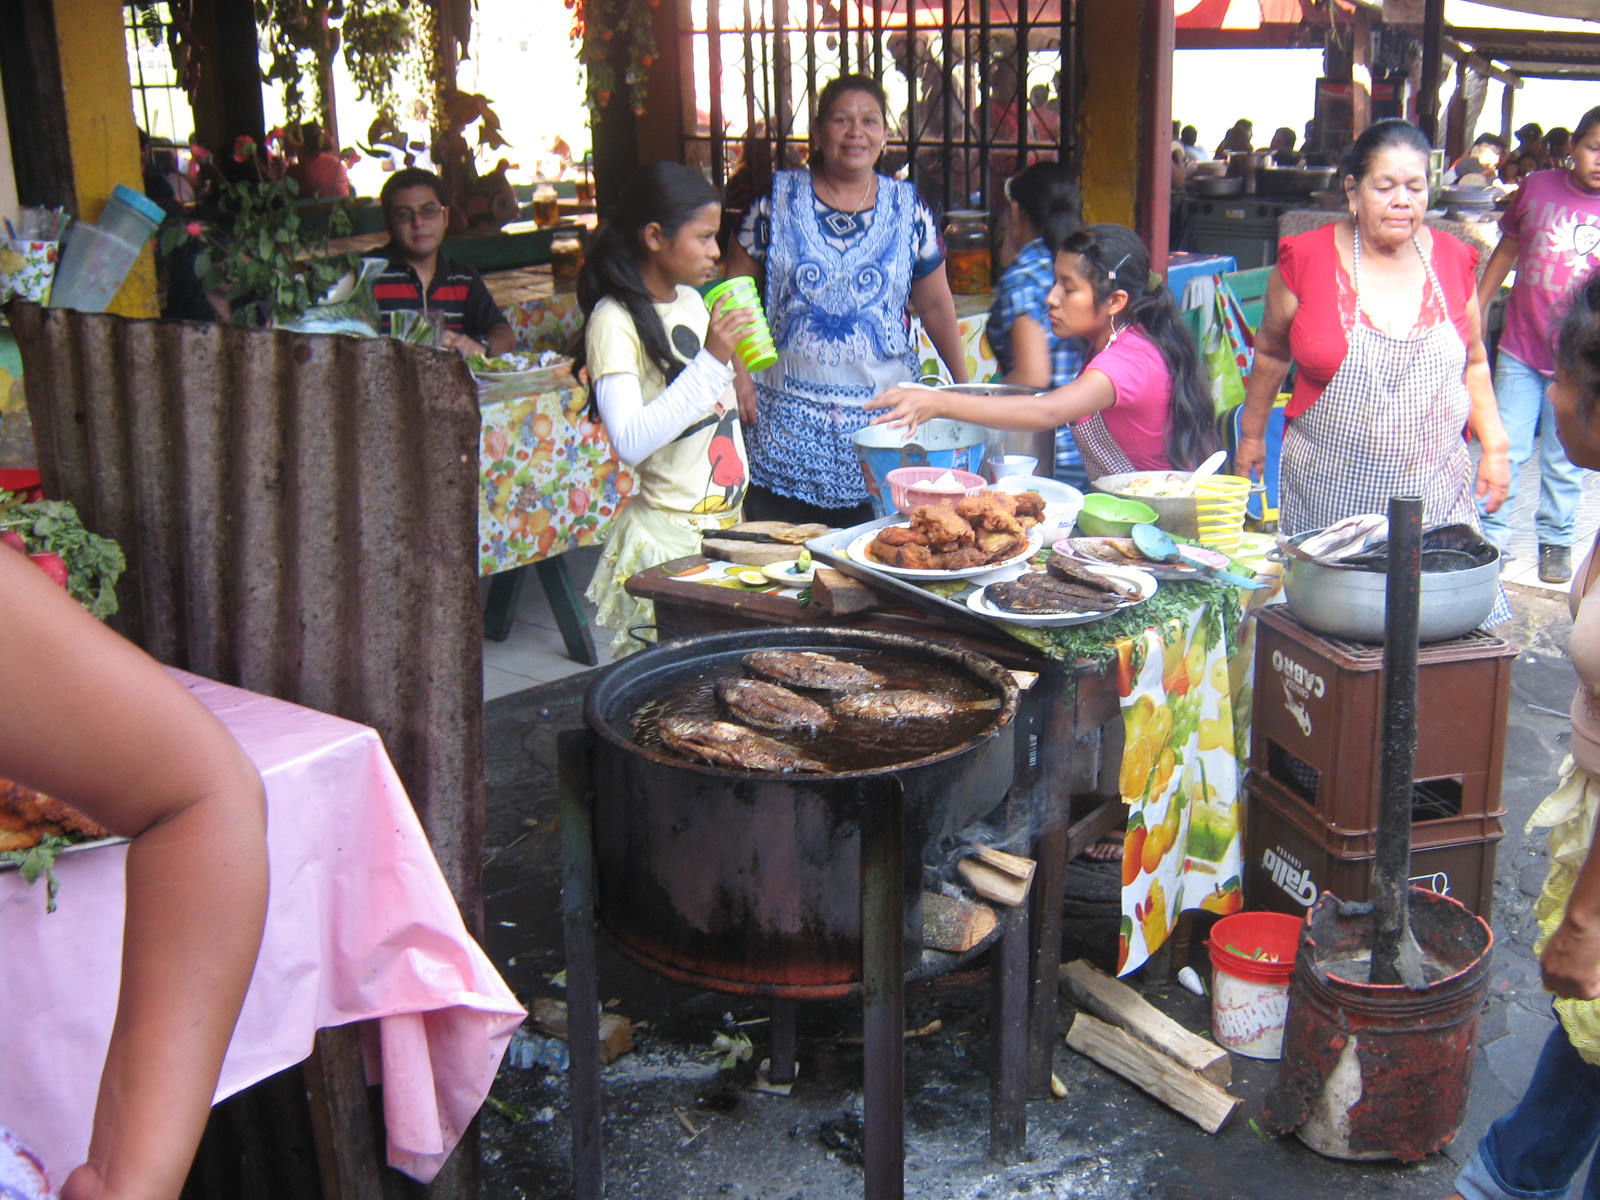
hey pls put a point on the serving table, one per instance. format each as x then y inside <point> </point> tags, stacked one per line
<point>361,928</point>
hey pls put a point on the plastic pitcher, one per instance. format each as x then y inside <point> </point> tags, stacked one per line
<point>93,265</point>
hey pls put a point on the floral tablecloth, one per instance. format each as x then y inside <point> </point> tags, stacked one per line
<point>972,318</point>
<point>547,322</point>
<point>547,479</point>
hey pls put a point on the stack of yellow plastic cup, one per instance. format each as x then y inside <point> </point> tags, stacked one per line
<point>1219,511</point>
<point>755,349</point>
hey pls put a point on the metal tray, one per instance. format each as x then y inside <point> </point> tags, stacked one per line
<point>830,548</point>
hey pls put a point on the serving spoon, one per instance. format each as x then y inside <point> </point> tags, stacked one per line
<point>1209,467</point>
<point>1157,545</point>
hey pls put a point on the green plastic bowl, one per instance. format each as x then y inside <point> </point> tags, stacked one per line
<point>1104,515</point>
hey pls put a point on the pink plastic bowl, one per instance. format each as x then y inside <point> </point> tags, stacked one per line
<point>905,492</point>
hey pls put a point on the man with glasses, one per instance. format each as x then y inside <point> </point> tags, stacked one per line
<point>420,278</point>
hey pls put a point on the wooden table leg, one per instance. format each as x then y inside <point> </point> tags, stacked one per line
<point>500,610</point>
<point>583,986</point>
<point>567,607</point>
<point>1051,809</point>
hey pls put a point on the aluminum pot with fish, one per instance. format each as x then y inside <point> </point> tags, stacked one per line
<point>728,830</point>
<point>1460,581</point>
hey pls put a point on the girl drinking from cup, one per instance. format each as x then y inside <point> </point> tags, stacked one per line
<point>1141,403</point>
<point>659,366</point>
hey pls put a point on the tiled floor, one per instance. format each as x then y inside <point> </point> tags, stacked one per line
<point>535,654</point>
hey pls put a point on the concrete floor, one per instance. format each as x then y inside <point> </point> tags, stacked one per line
<point>1105,1141</point>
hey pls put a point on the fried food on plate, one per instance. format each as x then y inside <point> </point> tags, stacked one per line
<point>997,544</point>
<point>910,557</point>
<point>27,817</point>
<point>944,528</point>
<point>901,535</point>
<point>990,510</point>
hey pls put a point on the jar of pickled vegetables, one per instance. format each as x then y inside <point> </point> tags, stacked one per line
<point>966,241</point>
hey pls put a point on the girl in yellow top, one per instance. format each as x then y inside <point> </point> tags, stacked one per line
<point>659,365</point>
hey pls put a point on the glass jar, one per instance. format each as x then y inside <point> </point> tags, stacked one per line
<point>566,259</point>
<point>546,207</point>
<point>967,252</point>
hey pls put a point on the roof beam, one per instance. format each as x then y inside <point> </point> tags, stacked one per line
<point>1479,63</point>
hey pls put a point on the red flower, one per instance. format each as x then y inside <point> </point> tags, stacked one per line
<point>243,146</point>
<point>194,229</point>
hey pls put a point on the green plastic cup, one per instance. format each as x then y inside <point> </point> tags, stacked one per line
<point>755,349</point>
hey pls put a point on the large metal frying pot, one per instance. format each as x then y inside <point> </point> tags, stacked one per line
<point>1350,603</point>
<point>749,882</point>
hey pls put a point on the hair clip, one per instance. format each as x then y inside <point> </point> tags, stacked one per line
<point>1120,261</point>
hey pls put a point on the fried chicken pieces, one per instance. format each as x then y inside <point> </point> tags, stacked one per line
<point>27,817</point>
<point>985,528</point>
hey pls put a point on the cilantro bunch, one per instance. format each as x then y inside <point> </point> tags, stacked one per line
<point>94,563</point>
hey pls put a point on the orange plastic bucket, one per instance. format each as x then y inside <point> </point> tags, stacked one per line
<point>1252,958</point>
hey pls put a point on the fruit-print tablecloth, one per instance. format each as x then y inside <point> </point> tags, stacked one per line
<point>1186,723</point>
<point>547,479</point>
<point>972,318</point>
<point>547,322</point>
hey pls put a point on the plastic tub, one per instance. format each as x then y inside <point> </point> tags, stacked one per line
<point>908,490</point>
<point>93,265</point>
<point>958,445</point>
<point>1104,515</point>
<point>1250,994</point>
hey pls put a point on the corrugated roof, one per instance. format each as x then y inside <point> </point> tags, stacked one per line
<point>299,514</point>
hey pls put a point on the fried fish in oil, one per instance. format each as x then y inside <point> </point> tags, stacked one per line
<point>944,528</point>
<point>724,744</point>
<point>905,704</point>
<point>812,669</point>
<point>771,706</point>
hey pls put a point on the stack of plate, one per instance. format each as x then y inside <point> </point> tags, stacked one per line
<point>1468,203</point>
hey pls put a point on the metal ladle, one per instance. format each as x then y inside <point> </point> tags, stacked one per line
<point>1157,545</point>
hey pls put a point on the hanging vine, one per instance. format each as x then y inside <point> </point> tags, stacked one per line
<point>377,38</point>
<point>616,42</point>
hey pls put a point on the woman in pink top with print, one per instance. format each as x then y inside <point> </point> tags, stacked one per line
<point>1141,403</point>
<point>1551,234</point>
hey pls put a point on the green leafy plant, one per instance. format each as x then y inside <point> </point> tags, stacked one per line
<point>94,563</point>
<point>261,249</point>
<point>303,36</point>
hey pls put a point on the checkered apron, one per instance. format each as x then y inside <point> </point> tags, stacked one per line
<point>1388,424</point>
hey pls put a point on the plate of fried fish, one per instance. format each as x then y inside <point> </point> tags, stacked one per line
<point>978,534</point>
<point>1065,592</point>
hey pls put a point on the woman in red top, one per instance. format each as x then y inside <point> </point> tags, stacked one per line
<point>1381,315</point>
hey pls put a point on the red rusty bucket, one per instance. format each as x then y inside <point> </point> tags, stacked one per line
<point>1377,1071</point>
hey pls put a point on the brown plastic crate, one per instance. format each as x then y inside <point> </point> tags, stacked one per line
<point>1317,724</point>
<point>1288,866</point>
<point>1443,812</point>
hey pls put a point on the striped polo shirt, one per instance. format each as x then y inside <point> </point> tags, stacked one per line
<point>457,291</point>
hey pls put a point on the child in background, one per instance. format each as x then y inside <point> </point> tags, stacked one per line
<point>663,384</point>
<point>1141,403</point>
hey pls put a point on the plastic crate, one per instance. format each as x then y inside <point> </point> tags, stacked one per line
<point>1288,864</point>
<point>1318,723</point>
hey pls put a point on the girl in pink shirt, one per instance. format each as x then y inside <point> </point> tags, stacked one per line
<point>1142,402</point>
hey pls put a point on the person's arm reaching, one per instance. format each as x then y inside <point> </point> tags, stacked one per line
<point>1267,373</point>
<point>94,721</point>
<point>910,407</point>
<point>1496,270</point>
<point>937,308</point>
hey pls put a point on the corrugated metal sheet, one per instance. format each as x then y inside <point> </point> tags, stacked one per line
<point>299,514</point>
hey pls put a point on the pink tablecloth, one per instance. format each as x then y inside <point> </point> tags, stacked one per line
<point>360,927</point>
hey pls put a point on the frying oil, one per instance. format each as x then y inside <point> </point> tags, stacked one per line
<point>852,744</point>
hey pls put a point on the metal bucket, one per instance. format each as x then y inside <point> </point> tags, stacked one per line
<point>1378,1071</point>
<point>938,443</point>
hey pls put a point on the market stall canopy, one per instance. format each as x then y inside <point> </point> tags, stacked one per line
<point>1537,53</point>
<point>1577,10</point>
<point>1239,14</point>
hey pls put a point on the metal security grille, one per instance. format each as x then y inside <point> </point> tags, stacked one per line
<point>160,105</point>
<point>977,88</point>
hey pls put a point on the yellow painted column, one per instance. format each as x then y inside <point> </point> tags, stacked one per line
<point>1110,113</point>
<point>104,140</point>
